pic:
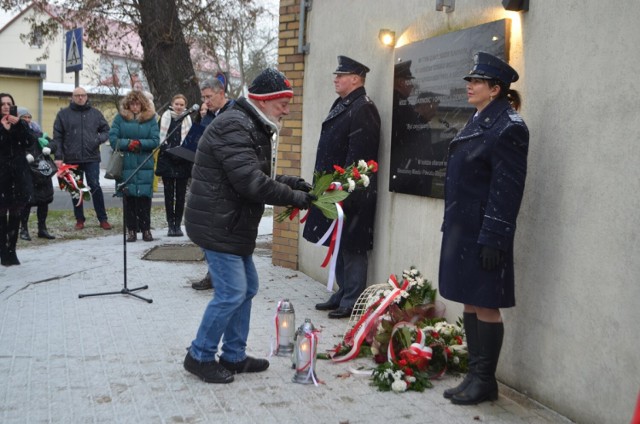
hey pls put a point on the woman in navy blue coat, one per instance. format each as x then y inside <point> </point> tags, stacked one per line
<point>486,169</point>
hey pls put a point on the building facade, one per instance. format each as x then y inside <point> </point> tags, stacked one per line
<point>570,341</point>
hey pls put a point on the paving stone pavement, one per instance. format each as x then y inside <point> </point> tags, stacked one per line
<point>117,359</point>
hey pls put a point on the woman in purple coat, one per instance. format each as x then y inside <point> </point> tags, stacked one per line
<point>486,169</point>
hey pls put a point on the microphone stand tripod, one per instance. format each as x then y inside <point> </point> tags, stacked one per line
<point>120,188</point>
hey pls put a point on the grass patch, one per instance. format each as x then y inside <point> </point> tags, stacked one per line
<point>62,225</point>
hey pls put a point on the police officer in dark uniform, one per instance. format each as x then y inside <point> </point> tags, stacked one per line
<point>487,165</point>
<point>350,133</point>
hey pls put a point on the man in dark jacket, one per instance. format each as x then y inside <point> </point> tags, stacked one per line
<point>230,184</point>
<point>214,103</point>
<point>78,132</point>
<point>350,133</point>
<point>213,99</point>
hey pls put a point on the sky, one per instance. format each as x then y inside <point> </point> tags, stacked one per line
<point>6,16</point>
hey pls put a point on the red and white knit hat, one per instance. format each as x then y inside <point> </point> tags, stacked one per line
<point>269,85</point>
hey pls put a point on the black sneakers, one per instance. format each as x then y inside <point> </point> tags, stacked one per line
<point>249,364</point>
<point>209,372</point>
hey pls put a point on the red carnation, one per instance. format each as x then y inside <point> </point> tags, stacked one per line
<point>356,174</point>
<point>373,165</point>
<point>339,169</point>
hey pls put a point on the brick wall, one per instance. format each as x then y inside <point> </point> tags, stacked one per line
<point>291,63</point>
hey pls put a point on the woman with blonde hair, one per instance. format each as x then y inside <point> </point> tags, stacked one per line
<point>175,171</point>
<point>135,132</point>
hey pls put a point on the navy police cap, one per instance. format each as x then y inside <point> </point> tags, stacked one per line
<point>487,66</point>
<point>403,70</point>
<point>346,65</point>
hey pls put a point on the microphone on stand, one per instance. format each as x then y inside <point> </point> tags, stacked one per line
<point>194,108</point>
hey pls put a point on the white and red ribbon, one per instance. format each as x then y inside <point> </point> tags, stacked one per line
<point>312,336</point>
<point>273,350</point>
<point>64,173</point>
<point>370,318</point>
<point>417,348</point>
<point>335,232</point>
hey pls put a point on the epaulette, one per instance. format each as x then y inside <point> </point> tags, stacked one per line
<point>515,116</point>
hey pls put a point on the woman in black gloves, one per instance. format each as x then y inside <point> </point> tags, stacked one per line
<point>486,169</point>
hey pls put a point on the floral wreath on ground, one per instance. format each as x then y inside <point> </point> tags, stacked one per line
<point>402,329</point>
<point>69,179</point>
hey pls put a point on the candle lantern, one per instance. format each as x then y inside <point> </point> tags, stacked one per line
<point>304,355</point>
<point>285,327</point>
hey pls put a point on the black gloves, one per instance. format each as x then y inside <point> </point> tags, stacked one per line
<point>302,199</point>
<point>301,184</point>
<point>491,258</point>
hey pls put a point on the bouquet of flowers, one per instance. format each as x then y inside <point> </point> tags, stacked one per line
<point>418,353</point>
<point>333,187</point>
<point>134,146</point>
<point>71,181</point>
<point>402,329</point>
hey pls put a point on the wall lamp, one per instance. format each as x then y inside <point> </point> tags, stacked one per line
<point>447,6</point>
<point>387,37</point>
<point>516,5</point>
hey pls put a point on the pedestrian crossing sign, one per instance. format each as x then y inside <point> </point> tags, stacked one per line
<point>74,50</point>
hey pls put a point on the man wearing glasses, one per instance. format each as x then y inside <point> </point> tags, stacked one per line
<point>78,132</point>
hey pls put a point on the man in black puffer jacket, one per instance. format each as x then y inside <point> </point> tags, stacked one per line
<point>231,181</point>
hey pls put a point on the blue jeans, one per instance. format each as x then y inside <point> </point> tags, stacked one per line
<point>351,276</point>
<point>92,180</point>
<point>228,314</point>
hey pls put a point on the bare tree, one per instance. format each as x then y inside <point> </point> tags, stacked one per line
<point>225,29</point>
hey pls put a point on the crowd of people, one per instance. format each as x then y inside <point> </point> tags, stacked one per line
<point>231,178</point>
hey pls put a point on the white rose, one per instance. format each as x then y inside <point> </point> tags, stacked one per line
<point>461,349</point>
<point>352,185</point>
<point>399,386</point>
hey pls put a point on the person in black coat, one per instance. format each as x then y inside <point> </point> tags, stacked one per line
<point>15,178</point>
<point>175,171</point>
<point>350,133</point>
<point>231,181</point>
<point>214,103</point>
<point>41,178</point>
<point>487,165</point>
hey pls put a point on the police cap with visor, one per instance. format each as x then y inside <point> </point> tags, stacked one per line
<point>346,65</point>
<point>489,67</point>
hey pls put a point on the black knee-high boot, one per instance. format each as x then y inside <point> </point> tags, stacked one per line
<point>13,226</point>
<point>181,190</point>
<point>24,224</point>
<point>470,321</point>
<point>483,385</point>
<point>43,211</point>
<point>3,240</point>
<point>169,198</point>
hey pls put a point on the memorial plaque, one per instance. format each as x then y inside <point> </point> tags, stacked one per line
<point>430,104</point>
